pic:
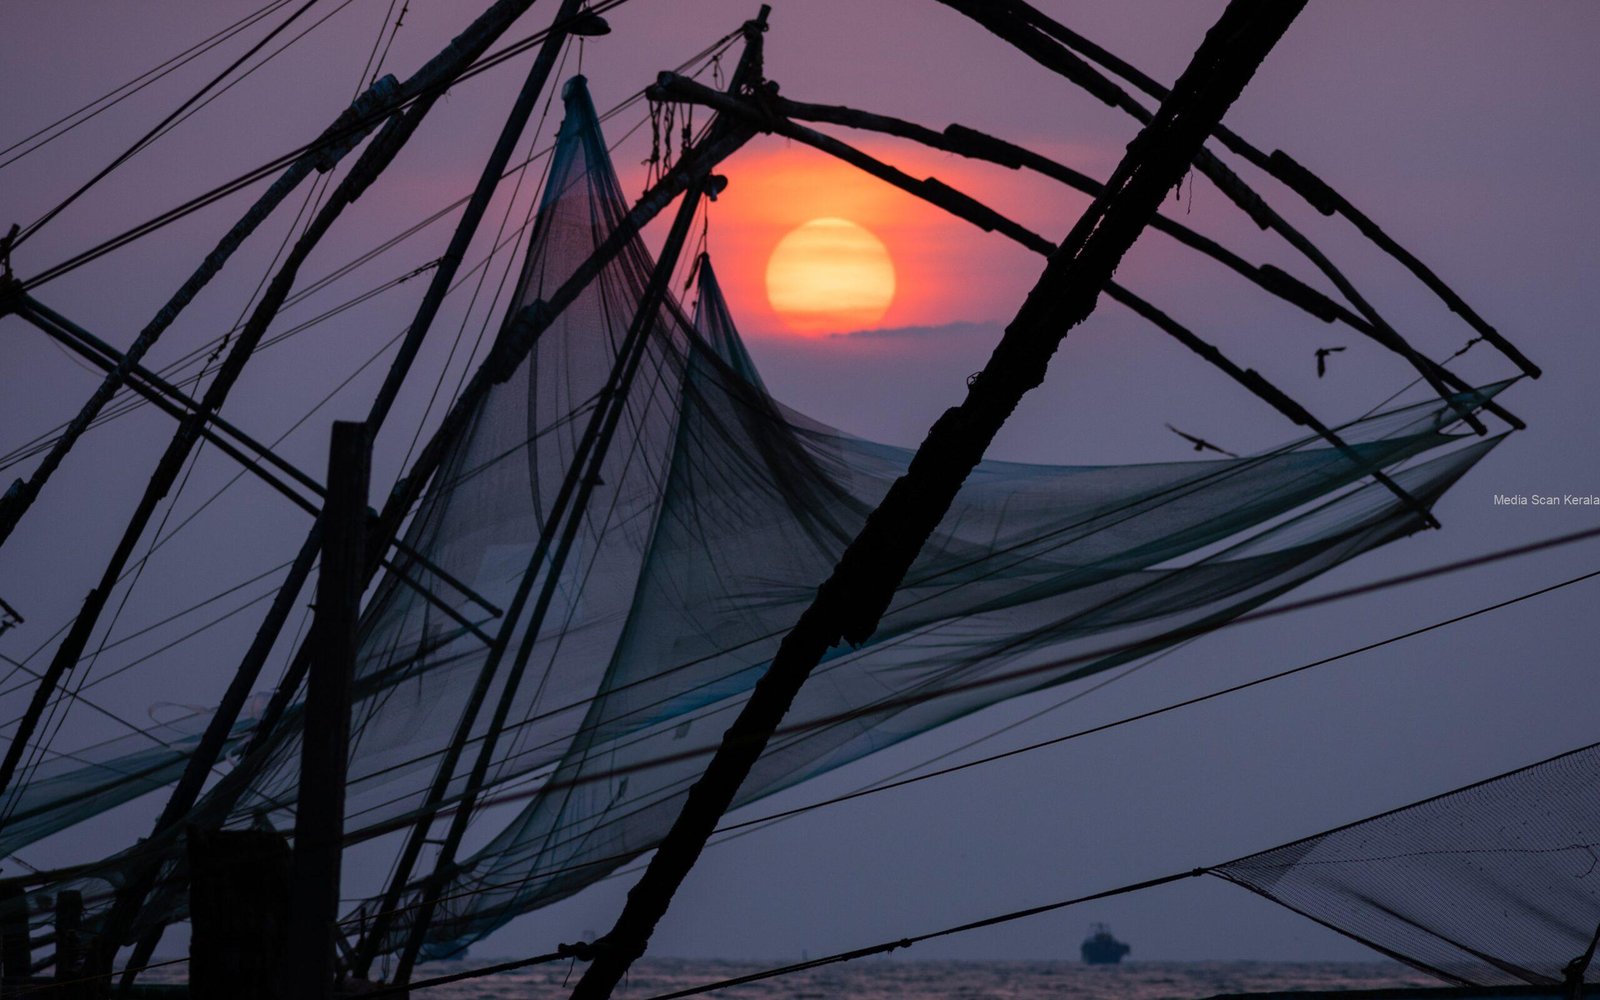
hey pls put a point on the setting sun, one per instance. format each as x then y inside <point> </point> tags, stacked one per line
<point>830,275</point>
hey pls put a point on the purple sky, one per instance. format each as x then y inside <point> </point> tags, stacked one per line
<point>1466,129</point>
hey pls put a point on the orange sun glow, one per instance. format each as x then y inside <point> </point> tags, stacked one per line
<point>830,275</point>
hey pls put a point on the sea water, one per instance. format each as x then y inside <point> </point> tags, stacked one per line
<point>912,979</point>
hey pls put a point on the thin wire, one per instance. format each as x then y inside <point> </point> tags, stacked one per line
<point>45,440</point>
<point>398,22</point>
<point>362,81</point>
<point>250,177</point>
<point>175,62</point>
<point>155,133</point>
<point>746,825</point>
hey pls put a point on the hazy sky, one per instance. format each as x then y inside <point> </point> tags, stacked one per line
<point>1466,129</point>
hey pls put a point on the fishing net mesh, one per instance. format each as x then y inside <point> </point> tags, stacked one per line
<point>1494,884</point>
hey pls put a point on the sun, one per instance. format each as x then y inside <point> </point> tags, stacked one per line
<point>830,275</point>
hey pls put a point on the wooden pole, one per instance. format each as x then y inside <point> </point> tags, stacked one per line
<point>1003,21</point>
<point>69,943</point>
<point>309,958</point>
<point>1302,181</point>
<point>16,953</point>
<point>350,127</point>
<point>238,910</point>
<point>850,603</point>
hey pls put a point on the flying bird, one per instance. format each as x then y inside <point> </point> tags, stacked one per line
<point>1322,359</point>
<point>1200,444</point>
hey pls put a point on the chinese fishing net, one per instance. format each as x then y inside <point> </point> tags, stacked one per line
<point>666,521</point>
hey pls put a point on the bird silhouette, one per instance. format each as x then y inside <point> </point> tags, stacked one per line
<point>1322,359</point>
<point>1200,444</point>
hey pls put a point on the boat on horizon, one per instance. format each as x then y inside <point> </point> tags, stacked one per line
<point>1101,948</point>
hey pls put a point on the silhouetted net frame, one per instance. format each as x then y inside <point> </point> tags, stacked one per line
<point>718,512</point>
<point>1496,883</point>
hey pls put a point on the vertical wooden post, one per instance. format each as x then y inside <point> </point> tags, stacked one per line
<point>69,943</point>
<point>16,955</point>
<point>239,908</point>
<point>308,966</point>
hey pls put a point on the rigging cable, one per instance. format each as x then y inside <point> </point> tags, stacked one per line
<point>154,133</point>
<point>1075,735</point>
<point>1385,583</point>
<point>159,70</point>
<point>244,180</point>
<point>44,441</point>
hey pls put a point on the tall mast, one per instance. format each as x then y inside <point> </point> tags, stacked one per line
<point>850,603</point>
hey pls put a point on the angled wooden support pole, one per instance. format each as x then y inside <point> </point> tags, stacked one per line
<point>850,603</point>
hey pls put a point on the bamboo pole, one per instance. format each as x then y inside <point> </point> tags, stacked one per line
<point>1002,21</point>
<point>1299,179</point>
<point>850,603</point>
<point>174,402</point>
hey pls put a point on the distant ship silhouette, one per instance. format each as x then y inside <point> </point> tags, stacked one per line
<point>1100,948</point>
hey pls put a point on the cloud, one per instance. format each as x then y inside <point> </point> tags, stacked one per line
<point>959,328</point>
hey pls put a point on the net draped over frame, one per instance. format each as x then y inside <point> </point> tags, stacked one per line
<point>711,514</point>
<point>1494,884</point>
